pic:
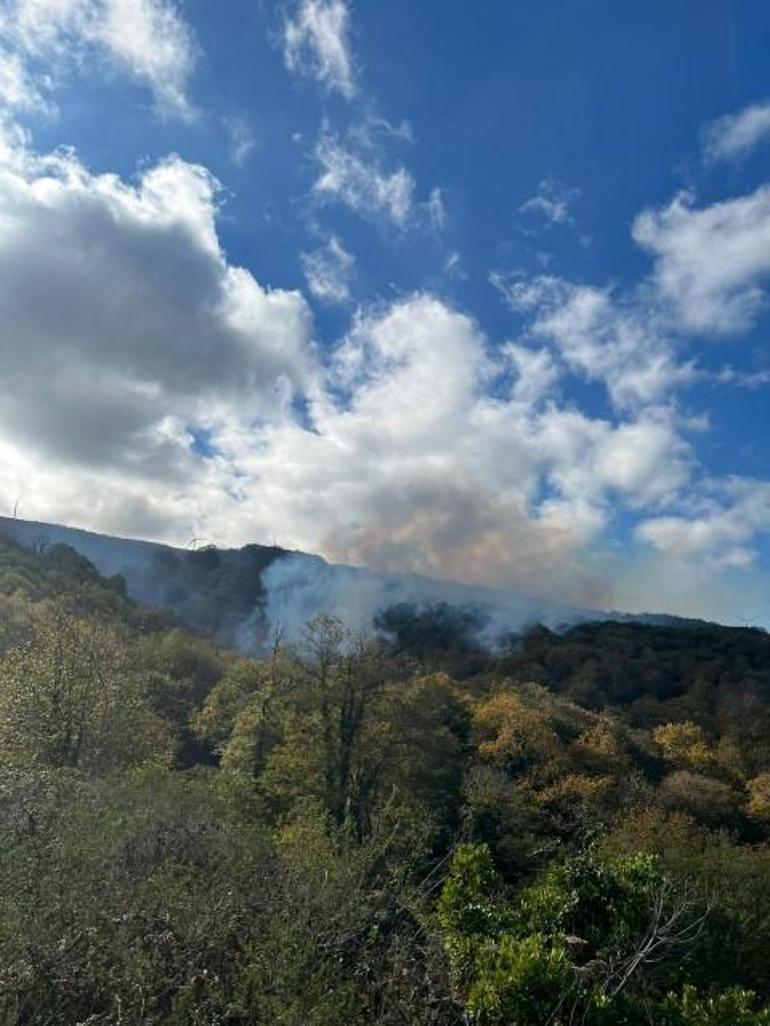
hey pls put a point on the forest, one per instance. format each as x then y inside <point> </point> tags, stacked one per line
<point>381,828</point>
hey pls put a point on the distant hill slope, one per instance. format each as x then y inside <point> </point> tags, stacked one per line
<point>213,590</point>
<point>238,595</point>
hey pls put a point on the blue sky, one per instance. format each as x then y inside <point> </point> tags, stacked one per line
<point>480,295</point>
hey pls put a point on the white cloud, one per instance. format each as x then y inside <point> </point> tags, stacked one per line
<point>242,139</point>
<point>625,346</point>
<point>536,373</point>
<point>353,172</point>
<point>328,271</point>
<point>421,449</point>
<point>316,43</point>
<point>708,278</point>
<point>645,459</point>
<point>427,452</point>
<point>413,444</point>
<point>17,90</point>
<point>735,135</point>
<point>721,527</point>
<point>147,39</point>
<point>358,181</point>
<point>437,214</point>
<point>639,463</point>
<point>414,468</point>
<point>552,201</point>
<point>710,263</point>
<point>125,328</point>
<point>751,379</point>
<point>373,128</point>
<point>453,266</point>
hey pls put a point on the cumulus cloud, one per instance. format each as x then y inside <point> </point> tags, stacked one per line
<point>736,135</point>
<point>44,39</point>
<point>721,526</point>
<point>427,451</point>
<point>406,471</point>
<point>624,345</point>
<point>420,447</point>
<point>328,271</point>
<point>414,443</point>
<point>710,263</point>
<point>708,280</point>
<point>708,276</point>
<point>316,43</point>
<point>126,328</point>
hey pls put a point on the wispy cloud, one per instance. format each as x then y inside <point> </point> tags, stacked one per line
<point>751,379</point>
<point>358,180</point>
<point>736,135</point>
<point>241,138</point>
<point>453,266</point>
<point>146,39</point>
<point>372,129</point>
<point>328,270</point>
<point>18,91</point>
<point>707,279</point>
<point>436,207</point>
<point>316,44</point>
<point>552,202</point>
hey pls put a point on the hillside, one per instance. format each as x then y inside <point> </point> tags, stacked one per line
<point>212,590</point>
<point>240,597</point>
<point>408,828</point>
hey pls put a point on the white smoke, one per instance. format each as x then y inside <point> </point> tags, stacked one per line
<point>298,587</point>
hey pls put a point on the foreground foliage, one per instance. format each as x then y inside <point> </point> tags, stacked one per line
<point>400,829</point>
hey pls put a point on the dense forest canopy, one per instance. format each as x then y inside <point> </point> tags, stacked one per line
<point>391,827</point>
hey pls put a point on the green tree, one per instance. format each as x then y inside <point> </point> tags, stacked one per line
<point>595,941</point>
<point>71,697</point>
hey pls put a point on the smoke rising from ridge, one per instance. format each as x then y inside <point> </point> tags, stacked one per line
<point>247,596</point>
<point>299,587</point>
